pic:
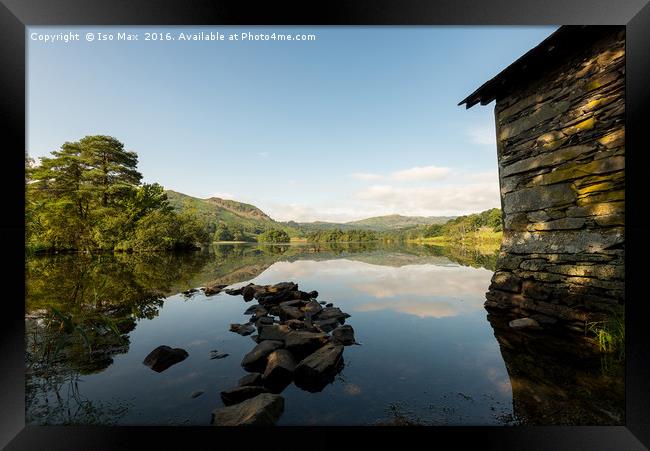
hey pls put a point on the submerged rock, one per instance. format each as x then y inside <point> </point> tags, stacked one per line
<point>196,394</point>
<point>250,379</point>
<point>262,410</point>
<point>343,335</point>
<point>279,369</point>
<point>314,372</point>
<point>256,359</point>
<point>163,357</point>
<point>239,394</point>
<point>524,323</point>
<point>242,329</point>
<point>214,354</point>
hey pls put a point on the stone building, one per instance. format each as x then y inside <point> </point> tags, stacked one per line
<point>560,127</point>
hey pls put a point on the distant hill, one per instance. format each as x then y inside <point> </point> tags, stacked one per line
<point>233,214</point>
<point>390,222</point>
<point>253,221</point>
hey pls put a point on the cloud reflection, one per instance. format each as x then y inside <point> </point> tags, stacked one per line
<point>423,290</point>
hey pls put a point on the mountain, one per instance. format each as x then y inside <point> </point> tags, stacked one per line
<point>390,222</point>
<point>253,221</point>
<point>233,214</point>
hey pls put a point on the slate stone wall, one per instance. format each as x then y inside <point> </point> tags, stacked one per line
<point>561,147</point>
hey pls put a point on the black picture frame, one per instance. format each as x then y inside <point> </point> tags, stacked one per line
<point>15,15</point>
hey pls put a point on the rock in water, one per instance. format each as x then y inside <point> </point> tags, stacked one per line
<point>290,312</point>
<point>239,394</point>
<point>327,325</point>
<point>213,289</point>
<point>279,369</point>
<point>343,335</point>
<point>242,329</point>
<point>262,410</point>
<point>314,372</point>
<point>524,323</point>
<point>248,292</point>
<point>313,294</point>
<point>197,393</point>
<point>331,313</point>
<point>250,379</point>
<point>163,357</point>
<point>303,343</point>
<point>218,355</point>
<point>312,307</point>
<point>273,332</point>
<point>256,359</point>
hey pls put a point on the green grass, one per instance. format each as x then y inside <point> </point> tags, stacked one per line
<point>609,335</point>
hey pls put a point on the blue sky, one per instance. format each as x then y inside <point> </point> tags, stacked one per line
<point>361,122</point>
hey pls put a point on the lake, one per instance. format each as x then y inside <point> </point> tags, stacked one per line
<point>429,352</point>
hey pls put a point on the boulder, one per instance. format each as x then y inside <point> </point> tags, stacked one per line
<point>282,286</point>
<point>312,307</point>
<point>248,292</point>
<point>250,379</point>
<point>262,410</point>
<point>263,321</point>
<point>273,332</point>
<point>314,372</point>
<point>290,312</point>
<point>279,369</point>
<point>242,329</point>
<point>524,323</point>
<point>303,343</point>
<point>235,291</point>
<point>163,357</point>
<point>343,335</point>
<point>329,304</point>
<point>323,302</point>
<point>213,289</point>
<point>327,325</point>
<point>313,294</point>
<point>256,358</point>
<point>331,313</point>
<point>239,394</point>
<point>256,310</point>
<point>295,324</point>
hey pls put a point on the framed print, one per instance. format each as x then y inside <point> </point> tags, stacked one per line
<point>356,219</point>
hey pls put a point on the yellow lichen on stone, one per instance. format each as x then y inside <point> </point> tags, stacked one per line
<point>613,139</point>
<point>586,124</point>
<point>595,188</point>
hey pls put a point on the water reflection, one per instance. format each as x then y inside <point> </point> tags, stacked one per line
<point>417,310</point>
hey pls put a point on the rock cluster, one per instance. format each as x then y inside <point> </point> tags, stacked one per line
<point>561,154</point>
<point>298,340</point>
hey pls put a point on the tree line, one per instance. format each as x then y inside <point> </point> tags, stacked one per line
<point>89,196</point>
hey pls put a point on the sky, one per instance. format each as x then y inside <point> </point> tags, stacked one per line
<point>360,122</point>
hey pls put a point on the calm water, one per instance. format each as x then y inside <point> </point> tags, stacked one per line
<point>428,353</point>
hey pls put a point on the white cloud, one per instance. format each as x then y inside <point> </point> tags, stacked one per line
<point>366,176</point>
<point>432,201</point>
<point>417,173</point>
<point>482,135</point>
<point>421,173</point>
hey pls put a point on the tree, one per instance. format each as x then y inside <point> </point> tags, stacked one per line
<point>274,236</point>
<point>109,168</point>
